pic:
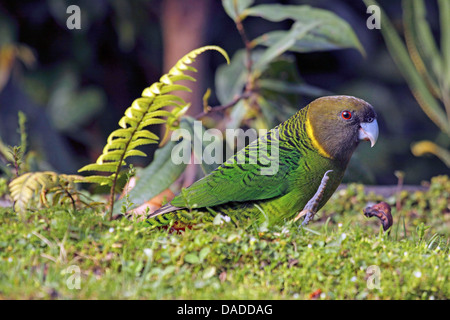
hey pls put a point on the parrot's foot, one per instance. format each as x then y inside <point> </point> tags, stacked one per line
<point>310,208</point>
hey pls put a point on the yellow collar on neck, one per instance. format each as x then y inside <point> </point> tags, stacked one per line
<point>315,143</point>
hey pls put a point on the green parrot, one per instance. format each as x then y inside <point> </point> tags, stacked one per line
<point>294,168</point>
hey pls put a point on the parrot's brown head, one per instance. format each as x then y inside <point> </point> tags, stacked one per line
<point>336,125</point>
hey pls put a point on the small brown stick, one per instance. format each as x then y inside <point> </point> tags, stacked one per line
<point>248,46</point>
<point>400,175</point>
<point>248,90</point>
<point>74,206</point>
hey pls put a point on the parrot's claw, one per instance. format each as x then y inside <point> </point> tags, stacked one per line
<point>307,213</point>
<point>310,208</point>
<point>309,216</point>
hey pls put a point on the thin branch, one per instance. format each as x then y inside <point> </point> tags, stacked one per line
<point>248,46</point>
<point>238,98</point>
<point>248,52</point>
<point>248,90</point>
<point>74,206</point>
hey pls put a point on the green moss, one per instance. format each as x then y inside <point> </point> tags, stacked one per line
<point>123,259</point>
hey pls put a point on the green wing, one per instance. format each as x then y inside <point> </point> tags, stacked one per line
<point>245,177</point>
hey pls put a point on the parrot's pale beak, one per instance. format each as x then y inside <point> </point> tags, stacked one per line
<point>369,132</point>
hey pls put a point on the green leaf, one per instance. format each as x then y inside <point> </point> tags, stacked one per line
<point>294,88</point>
<point>209,272</point>
<point>105,167</point>
<point>283,44</point>
<point>116,143</point>
<point>168,98</point>
<point>423,51</point>
<point>427,147</point>
<point>113,155</point>
<point>416,22</point>
<point>237,114</point>
<point>332,32</point>
<point>71,107</point>
<point>102,180</point>
<point>151,121</point>
<point>141,104</point>
<point>230,79</point>
<point>234,8</point>
<point>121,133</point>
<point>159,113</point>
<point>124,121</point>
<point>198,140</point>
<point>284,70</point>
<point>416,83</point>
<point>113,147</point>
<point>133,153</point>
<point>203,253</point>
<point>145,134</point>
<point>308,43</point>
<point>173,78</point>
<point>134,114</point>
<point>140,142</point>
<point>269,111</point>
<point>444,11</point>
<point>175,87</point>
<point>191,258</point>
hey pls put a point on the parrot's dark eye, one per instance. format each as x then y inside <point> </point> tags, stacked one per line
<point>346,115</point>
<point>369,119</point>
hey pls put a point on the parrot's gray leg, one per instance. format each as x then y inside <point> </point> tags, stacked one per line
<point>310,208</point>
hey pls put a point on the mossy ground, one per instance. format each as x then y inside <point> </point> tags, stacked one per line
<point>66,254</point>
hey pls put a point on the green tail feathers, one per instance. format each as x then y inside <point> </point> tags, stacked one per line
<point>236,213</point>
<point>182,217</point>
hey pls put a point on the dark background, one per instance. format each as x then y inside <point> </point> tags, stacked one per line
<point>83,80</point>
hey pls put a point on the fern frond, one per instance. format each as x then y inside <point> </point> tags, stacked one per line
<point>143,112</point>
<point>141,142</point>
<point>101,180</point>
<point>102,166</point>
<point>36,184</point>
<point>151,121</point>
<point>135,153</point>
